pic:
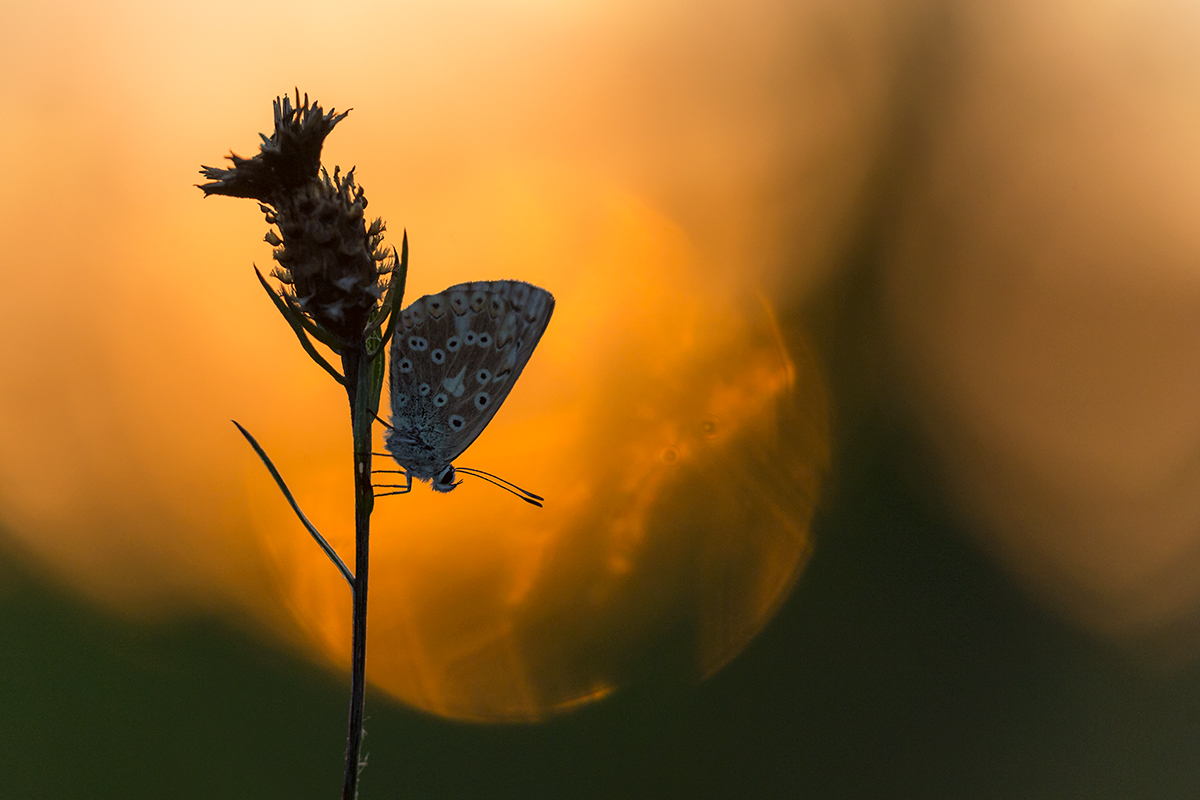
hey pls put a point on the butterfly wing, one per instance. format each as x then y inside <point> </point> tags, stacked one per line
<point>454,358</point>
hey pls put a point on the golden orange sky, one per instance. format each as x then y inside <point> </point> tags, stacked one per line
<point>681,177</point>
<point>662,385</point>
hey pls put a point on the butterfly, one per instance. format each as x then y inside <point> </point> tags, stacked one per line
<point>455,356</point>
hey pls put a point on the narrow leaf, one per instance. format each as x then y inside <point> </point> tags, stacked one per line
<point>324,545</point>
<point>295,318</point>
<point>298,329</point>
<point>395,297</point>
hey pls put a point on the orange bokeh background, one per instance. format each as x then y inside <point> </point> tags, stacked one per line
<point>679,439</point>
<point>1011,188</point>
<point>677,431</point>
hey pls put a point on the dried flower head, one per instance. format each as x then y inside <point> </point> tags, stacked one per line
<point>328,255</point>
<point>288,159</point>
<point>331,258</point>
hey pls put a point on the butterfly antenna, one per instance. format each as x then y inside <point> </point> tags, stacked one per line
<point>528,497</point>
<point>379,419</point>
<point>524,494</point>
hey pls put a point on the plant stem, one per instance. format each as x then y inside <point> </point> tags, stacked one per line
<point>363,391</point>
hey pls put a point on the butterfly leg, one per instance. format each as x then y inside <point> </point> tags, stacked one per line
<point>401,489</point>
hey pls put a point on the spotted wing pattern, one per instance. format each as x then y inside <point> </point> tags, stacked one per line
<point>455,356</point>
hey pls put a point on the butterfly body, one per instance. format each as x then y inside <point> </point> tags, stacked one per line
<point>455,357</point>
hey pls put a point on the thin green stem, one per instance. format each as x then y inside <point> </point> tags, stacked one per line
<point>363,385</point>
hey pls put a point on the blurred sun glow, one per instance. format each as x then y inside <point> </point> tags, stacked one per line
<point>1008,190</point>
<point>677,431</point>
<point>679,445</point>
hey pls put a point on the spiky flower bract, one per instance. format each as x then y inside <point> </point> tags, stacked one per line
<point>329,256</point>
<point>287,160</point>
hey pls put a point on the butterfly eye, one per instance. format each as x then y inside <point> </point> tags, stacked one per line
<point>483,376</point>
<point>481,400</point>
<point>457,422</point>
<point>485,339</point>
<point>440,399</point>
<point>404,365</point>
<point>470,338</point>
<point>438,356</point>
<point>446,479</point>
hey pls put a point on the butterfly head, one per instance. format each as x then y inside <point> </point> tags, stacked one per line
<point>445,480</point>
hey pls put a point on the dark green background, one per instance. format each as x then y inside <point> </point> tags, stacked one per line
<point>903,665</point>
